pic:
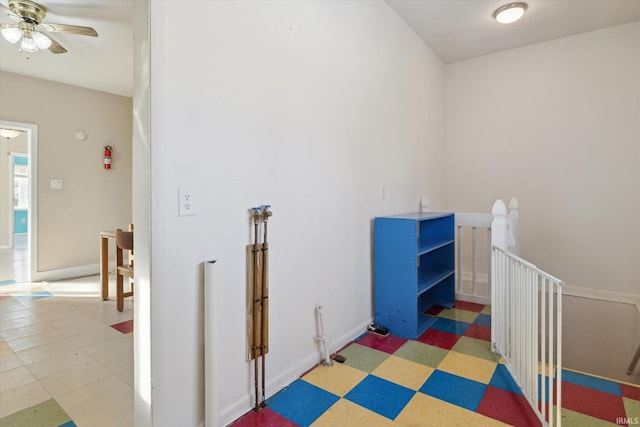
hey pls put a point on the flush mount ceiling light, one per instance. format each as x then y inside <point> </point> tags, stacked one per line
<point>510,12</point>
<point>9,133</point>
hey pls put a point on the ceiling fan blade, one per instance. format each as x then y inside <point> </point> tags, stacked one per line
<point>56,47</point>
<point>71,29</point>
<point>3,25</point>
<point>10,13</point>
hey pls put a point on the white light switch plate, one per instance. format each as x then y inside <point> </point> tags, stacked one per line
<point>55,184</point>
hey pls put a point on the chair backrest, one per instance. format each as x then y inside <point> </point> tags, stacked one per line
<point>124,239</point>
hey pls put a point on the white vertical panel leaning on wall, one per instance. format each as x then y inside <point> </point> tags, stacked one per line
<point>211,407</point>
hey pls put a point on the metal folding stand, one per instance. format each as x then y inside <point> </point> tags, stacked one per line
<point>258,307</point>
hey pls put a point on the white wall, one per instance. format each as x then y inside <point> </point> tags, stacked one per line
<point>311,107</point>
<point>556,124</point>
<point>141,213</point>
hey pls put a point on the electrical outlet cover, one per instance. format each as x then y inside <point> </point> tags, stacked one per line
<point>185,202</point>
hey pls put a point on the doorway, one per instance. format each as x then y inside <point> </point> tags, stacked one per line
<point>18,196</point>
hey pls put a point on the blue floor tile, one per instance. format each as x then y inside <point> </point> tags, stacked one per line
<point>483,319</point>
<point>546,388</point>
<point>31,297</point>
<point>302,402</point>
<point>592,382</point>
<point>380,396</point>
<point>502,379</point>
<point>7,282</point>
<point>451,326</point>
<point>454,389</point>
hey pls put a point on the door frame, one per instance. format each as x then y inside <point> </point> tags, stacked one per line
<point>31,130</point>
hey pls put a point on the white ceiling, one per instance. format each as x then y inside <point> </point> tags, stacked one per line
<point>462,29</point>
<point>454,29</point>
<point>104,63</point>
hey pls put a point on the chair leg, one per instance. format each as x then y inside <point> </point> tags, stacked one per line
<point>120,292</point>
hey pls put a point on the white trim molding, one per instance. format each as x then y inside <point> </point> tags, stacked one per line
<point>601,294</point>
<point>69,273</point>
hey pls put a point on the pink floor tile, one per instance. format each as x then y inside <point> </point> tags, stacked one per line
<point>388,344</point>
<point>434,310</point>
<point>478,331</point>
<point>469,306</point>
<point>592,402</point>
<point>264,418</point>
<point>438,338</point>
<point>630,391</point>
<point>507,407</point>
<point>125,327</point>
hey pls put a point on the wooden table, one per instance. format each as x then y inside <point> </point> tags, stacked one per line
<point>104,260</point>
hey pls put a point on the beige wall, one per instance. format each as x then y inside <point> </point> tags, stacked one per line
<point>556,124</point>
<point>92,199</point>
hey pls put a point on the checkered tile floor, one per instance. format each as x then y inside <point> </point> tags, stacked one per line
<point>447,377</point>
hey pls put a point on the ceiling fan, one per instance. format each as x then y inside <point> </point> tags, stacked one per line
<point>30,28</point>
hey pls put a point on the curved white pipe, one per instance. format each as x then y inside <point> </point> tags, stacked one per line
<point>322,337</point>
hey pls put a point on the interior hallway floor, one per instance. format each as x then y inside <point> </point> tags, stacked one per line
<point>66,356</point>
<point>14,262</point>
<point>447,377</point>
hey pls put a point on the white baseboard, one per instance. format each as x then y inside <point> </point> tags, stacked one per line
<point>473,298</point>
<point>243,405</point>
<point>480,277</point>
<point>600,294</point>
<point>575,291</point>
<point>69,273</point>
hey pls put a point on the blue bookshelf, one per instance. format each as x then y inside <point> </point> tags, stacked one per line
<point>414,269</point>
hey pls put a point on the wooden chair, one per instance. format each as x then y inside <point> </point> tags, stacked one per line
<point>124,242</point>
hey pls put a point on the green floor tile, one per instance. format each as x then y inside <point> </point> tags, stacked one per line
<point>576,419</point>
<point>364,358</point>
<point>45,414</point>
<point>460,315</point>
<point>475,347</point>
<point>632,407</point>
<point>421,353</point>
<point>486,309</point>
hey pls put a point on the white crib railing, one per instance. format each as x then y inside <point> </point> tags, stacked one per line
<point>473,252</point>
<point>473,286</point>
<point>526,330</point>
<point>526,304</point>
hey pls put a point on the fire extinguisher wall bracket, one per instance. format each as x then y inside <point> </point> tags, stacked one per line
<point>107,157</point>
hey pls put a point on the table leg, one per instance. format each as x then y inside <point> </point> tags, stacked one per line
<point>104,266</point>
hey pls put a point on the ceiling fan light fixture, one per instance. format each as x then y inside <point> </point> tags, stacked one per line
<point>42,41</point>
<point>28,45</point>
<point>510,12</point>
<point>29,16</point>
<point>11,34</point>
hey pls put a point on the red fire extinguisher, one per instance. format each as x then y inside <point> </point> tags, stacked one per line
<point>107,157</point>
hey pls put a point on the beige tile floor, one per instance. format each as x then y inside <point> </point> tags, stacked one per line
<point>63,348</point>
<point>14,262</point>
